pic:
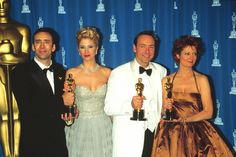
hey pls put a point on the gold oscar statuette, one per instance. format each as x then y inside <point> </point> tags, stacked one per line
<point>14,49</point>
<point>70,81</point>
<point>138,114</point>
<point>169,113</point>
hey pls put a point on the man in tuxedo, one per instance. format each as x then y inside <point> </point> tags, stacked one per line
<point>38,87</point>
<point>134,138</point>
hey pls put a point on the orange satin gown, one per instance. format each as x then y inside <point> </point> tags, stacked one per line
<point>192,139</point>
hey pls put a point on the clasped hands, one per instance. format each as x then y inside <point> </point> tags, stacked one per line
<point>137,102</point>
<point>69,99</point>
<point>168,105</point>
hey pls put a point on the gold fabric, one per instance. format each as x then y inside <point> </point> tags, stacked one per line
<point>192,139</point>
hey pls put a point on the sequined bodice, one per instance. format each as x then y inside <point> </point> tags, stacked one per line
<point>90,103</point>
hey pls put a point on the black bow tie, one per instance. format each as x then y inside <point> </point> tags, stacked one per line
<point>46,69</point>
<point>148,71</point>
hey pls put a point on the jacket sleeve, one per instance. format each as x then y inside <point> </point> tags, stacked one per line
<point>20,85</point>
<point>119,95</point>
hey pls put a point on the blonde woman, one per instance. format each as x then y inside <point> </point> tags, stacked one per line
<point>90,134</point>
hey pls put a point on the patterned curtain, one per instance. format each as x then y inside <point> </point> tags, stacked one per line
<point>120,20</point>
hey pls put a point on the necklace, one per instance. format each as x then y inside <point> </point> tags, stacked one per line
<point>89,70</point>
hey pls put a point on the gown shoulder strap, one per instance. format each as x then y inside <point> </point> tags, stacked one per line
<point>173,77</point>
<point>195,79</point>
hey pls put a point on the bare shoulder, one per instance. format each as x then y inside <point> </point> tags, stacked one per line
<point>202,82</point>
<point>201,78</point>
<point>171,76</point>
<point>105,70</point>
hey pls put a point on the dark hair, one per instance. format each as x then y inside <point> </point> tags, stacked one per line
<point>47,30</point>
<point>182,42</point>
<point>53,34</point>
<point>150,33</point>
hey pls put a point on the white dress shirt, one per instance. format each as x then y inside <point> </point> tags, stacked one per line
<point>149,96</point>
<point>50,75</point>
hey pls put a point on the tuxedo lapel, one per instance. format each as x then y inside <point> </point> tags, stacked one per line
<point>58,79</point>
<point>154,78</point>
<point>156,86</point>
<point>40,78</point>
<point>134,70</point>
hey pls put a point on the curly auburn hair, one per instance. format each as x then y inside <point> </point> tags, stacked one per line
<point>184,41</point>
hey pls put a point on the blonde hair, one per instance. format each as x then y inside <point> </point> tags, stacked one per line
<point>90,33</point>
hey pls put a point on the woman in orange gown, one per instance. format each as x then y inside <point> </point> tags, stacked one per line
<point>188,134</point>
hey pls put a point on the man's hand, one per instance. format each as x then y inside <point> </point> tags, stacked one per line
<point>137,102</point>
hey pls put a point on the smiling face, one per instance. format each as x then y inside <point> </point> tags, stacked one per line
<point>187,46</point>
<point>87,49</point>
<point>43,46</point>
<point>144,49</point>
<point>188,56</point>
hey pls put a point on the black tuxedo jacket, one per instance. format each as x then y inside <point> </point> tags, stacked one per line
<point>42,130</point>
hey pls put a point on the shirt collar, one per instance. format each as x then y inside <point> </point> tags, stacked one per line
<point>137,64</point>
<point>41,65</point>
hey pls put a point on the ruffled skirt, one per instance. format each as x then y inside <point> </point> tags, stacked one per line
<point>195,139</point>
<point>90,137</point>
